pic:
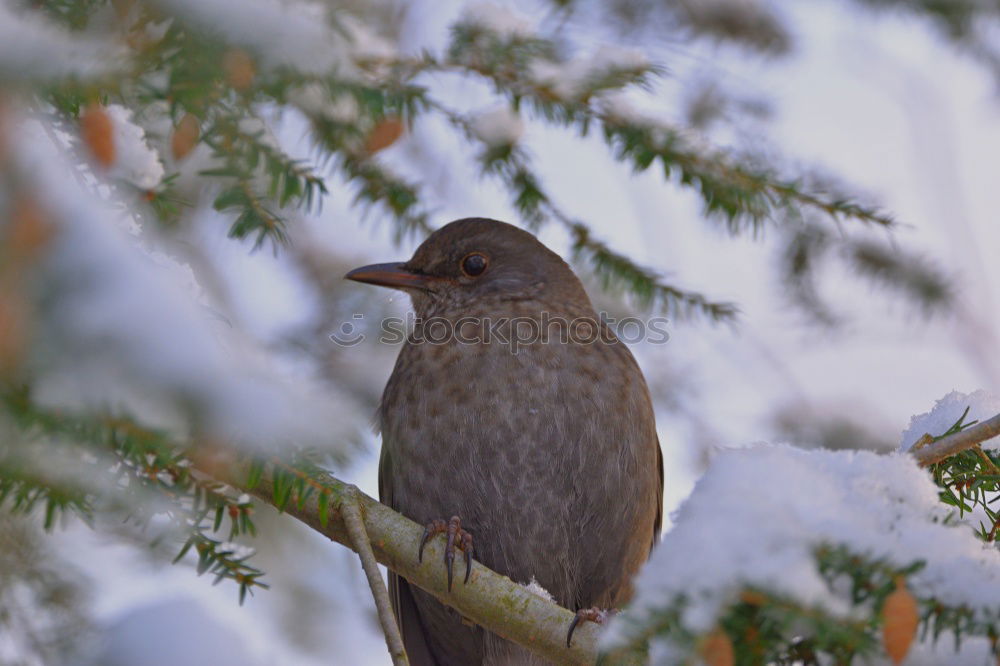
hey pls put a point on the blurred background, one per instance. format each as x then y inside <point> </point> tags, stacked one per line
<point>895,102</point>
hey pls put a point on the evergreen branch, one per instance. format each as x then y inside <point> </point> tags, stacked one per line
<point>165,202</point>
<point>288,180</point>
<point>25,490</point>
<point>378,186</point>
<point>253,217</point>
<point>806,245</point>
<point>746,195</point>
<point>769,628</point>
<point>143,464</point>
<point>742,192</point>
<point>194,487</point>
<point>75,14</point>
<point>504,57</point>
<point>246,158</point>
<point>803,249</point>
<point>910,274</point>
<point>197,504</point>
<point>343,140</point>
<point>615,270</point>
<point>375,185</point>
<point>967,478</point>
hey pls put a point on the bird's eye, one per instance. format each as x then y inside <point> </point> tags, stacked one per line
<point>474,264</point>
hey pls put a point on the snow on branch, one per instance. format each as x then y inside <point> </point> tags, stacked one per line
<point>579,78</point>
<point>822,548</point>
<point>33,49</point>
<point>284,33</point>
<point>498,20</point>
<point>122,327</point>
<point>957,441</point>
<point>499,126</point>
<point>970,407</point>
<point>773,527</point>
<point>135,162</point>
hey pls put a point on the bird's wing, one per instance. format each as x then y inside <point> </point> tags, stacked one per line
<point>658,523</point>
<point>403,606</point>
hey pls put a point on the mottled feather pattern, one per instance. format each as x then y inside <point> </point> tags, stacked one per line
<point>549,455</point>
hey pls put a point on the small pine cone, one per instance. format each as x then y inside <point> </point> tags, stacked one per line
<point>239,69</point>
<point>717,649</point>
<point>185,137</point>
<point>900,618</point>
<point>383,135</point>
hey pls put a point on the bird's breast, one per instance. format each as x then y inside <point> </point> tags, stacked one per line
<point>538,451</point>
<point>486,417</point>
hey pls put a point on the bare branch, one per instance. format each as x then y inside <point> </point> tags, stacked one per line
<point>362,546</point>
<point>958,442</point>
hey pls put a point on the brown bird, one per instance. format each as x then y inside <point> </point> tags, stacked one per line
<point>513,408</point>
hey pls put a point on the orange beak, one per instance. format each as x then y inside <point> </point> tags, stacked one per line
<point>391,275</point>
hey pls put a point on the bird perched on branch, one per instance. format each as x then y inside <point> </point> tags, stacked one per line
<point>516,424</point>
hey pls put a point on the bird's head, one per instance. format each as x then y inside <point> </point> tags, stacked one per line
<point>478,261</point>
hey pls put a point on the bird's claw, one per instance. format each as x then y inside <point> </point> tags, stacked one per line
<point>432,528</point>
<point>595,615</point>
<point>456,537</point>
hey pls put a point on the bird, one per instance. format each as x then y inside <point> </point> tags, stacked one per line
<point>515,422</point>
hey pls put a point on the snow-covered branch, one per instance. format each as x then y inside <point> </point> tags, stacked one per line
<point>811,544</point>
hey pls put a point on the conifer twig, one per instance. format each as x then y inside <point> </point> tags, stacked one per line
<point>958,442</point>
<point>355,525</point>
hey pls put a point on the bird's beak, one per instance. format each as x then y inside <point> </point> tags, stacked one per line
<point>390,275</point>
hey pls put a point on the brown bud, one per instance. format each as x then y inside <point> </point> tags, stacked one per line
<point>13,328</point>
<point>28,230</point>
<point>185,136</point>
<point>212,455</point>
<point>123,7</point>
<point>239,69</point>
<point>97,131</point>
<point>716,649</point>
<point>900,618</point>
<point>383,135</point>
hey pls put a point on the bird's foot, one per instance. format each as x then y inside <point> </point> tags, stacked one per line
<point>456,537</point>
<point>595,615</point>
